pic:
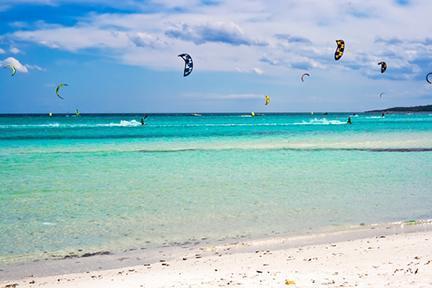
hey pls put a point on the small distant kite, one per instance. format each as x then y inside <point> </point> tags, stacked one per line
<point>305,74</point>
<point>188,64</point>
<point>383,66</point>
<point>61,85</point>
<point>12,68</point>
<point>381,95</point>
<point>267,100</point>
<point>428,79</point>
<point>340,49</point>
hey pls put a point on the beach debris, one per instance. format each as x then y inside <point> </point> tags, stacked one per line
<point>60,86</point>
<point>96,254</point>
<point>289,282</point>
<point>428,79</point>
<point>339,49</point>
<point>304,74</point>
<point>410,222</point>
<point>267,100</point>
<point>12,68</point>
<point>188,64</point>
<point>383,66</point>
<point>13,285</point>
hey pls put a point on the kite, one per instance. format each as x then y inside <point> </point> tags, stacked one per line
<point>381,95</point>
<point>427,78</point>
<point>383,66</point>
<point>340,49</point>
<point>188,64</point>
<point>305,74</point>
<point>12,68</point>
<point>267,100</point>
<point>61,85</point>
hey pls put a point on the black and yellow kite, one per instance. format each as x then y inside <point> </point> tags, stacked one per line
<point>383,66</point>
<point>60,86</point>
<point>340,49</point>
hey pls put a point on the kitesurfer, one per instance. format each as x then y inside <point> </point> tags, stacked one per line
<point>349,120</point>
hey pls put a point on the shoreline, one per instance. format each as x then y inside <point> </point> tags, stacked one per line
<point>104,263</point>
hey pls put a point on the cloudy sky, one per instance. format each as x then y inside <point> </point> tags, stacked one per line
<point>121,56</point>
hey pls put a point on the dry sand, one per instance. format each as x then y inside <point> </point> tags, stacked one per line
<point>396,260</point>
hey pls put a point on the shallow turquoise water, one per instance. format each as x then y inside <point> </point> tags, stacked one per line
<point>106,182</point>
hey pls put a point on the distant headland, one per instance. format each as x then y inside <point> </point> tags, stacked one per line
<point>424,108</point>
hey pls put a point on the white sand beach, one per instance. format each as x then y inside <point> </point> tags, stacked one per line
<point>403,259</point>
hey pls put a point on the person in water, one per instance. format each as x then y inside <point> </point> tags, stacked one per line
<point>349,120</point>
<point>382,115</point>
<point>142,121</point>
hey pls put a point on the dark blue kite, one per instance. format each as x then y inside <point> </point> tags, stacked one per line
<point>188,64</point>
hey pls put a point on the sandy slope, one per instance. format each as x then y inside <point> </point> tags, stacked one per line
<point>403,260</point>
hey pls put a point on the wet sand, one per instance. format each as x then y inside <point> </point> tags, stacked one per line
<point>396,255</point>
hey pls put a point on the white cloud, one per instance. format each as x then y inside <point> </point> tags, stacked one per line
<point>14,50</point>
<point>35,67</point>
<point>219,32</point>
<point>14,62</point>
<point>255,70</point>
<point>228,97</point>
<point>75,38</point>
<point>141,39</point>
<point>277,36</point>
<point>258,71</point>
<point>2,51</point>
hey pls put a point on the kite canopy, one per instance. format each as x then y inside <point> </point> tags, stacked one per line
<point>383,66</point>
<point>305,74</point>
<point>428,78</point>
<point>381,95</point>
<point>12,68</point>
<point>340,49</point>
<point>267,100</point>
<point>61,85</point>
<point>188,64</point>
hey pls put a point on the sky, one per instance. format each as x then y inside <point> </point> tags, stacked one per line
<point>122,56</point>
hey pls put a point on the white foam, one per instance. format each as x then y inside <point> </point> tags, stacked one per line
<point>322,121</point>
<point>123,123</point>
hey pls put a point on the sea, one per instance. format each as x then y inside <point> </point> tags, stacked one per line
<point>107,183</point>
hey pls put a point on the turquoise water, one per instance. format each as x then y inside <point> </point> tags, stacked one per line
<point>106,182</point>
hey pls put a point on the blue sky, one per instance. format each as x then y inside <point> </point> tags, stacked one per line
<point>121,56</point>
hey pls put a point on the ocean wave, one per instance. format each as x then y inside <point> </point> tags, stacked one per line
<point>322,121</point>
<point>394,150</point>
<point>49,125</point>
<point>123,123</point>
